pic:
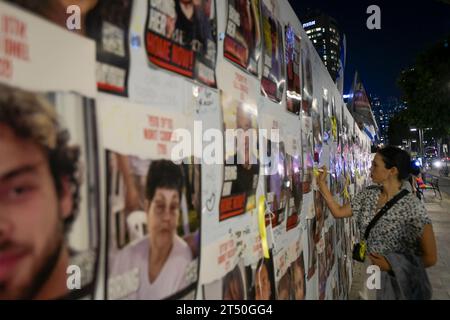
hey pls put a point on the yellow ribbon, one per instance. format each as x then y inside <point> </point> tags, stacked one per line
<point>316,172</point>
<point>262,225</point>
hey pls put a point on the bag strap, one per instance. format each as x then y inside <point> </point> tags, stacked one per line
<point>383,210</point>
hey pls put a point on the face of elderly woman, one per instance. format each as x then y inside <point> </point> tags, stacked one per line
<point>162,216</point>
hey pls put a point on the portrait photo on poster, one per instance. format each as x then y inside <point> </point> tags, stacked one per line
<point>277,183</point>
<point>293,67</point>
<point>241,169</point>
<point>261,279</point>
<point>181,36</point>
<point>49,177</point>
<point>317,131</point>
<point>326,113</point>
<point>108,25</point>
<point>154,227</point>
<point>298,278</point>
<point>322,274</point>
<point>307,74</point>
<point>295,189</point>
<point>308,153</point>
<point>243,36</point>
<point>312,249</point>
<point>319,209</point>
<point>284,286</point>
<point>273,79</point>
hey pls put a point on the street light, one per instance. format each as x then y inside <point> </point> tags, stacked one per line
<point>420,130</point>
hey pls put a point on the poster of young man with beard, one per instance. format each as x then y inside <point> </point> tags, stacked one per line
<point>49,191</point>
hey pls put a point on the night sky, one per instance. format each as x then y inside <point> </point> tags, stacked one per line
<point>407,28</point>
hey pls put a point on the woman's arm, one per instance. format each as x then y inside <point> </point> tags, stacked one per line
<point>337,211</point>
<point>428,245</point>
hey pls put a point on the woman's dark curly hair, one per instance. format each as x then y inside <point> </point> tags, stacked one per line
<point>31,116</point>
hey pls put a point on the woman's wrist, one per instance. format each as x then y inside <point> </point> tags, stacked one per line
<point>322,185</point>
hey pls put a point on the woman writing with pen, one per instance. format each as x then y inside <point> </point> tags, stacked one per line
<point>401,237</point>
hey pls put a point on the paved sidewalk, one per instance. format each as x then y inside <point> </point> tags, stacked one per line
<point>439,211</point>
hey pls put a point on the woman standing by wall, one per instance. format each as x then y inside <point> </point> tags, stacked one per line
<point>401,243</point>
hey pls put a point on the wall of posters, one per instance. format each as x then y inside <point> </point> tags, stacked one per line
<point>186,192</point>
<point>181,37</point>
<point>243,36</point>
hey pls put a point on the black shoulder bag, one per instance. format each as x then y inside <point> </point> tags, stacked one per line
<point>359,250</point>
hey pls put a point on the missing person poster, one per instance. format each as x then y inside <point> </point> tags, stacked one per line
<point>273,77</point>
<point>108,24</point>
<point>181,35</point>
<point>293,92</point>
<point>276,183</point>
<point>322,272</point>
<point>311,246</point>
<point>261,280</point>
<point>48,165</point>
<point>243,37</point>
<point>232,191</point>
<point>153,204</point>
<point>297,268</point>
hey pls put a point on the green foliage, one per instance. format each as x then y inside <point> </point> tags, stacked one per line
<point>398,129</point>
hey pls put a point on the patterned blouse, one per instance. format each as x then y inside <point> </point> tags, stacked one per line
<point>399,230</point>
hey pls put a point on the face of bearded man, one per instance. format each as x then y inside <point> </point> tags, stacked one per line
<point>31,219</point>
